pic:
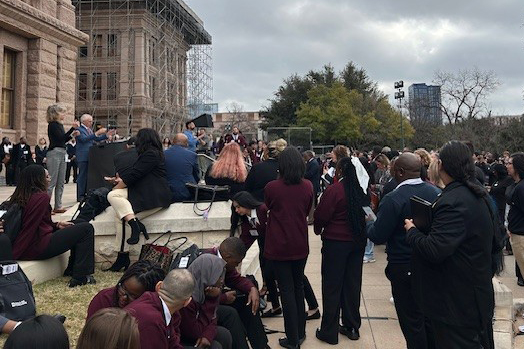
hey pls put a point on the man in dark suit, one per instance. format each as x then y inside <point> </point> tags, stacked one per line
<point>452,264</point>
<point>84,141</point>
<point>22,157</point>
<point>181,167</point>
<point>157,312</point>
<point>313,175</point>
<point>71,163</point>
<point>389,229</point>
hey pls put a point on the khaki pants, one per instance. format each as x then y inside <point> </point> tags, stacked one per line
<point>517,244</point>
<point>118,200</point>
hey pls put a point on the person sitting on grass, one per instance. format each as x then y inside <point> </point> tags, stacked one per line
<point>41,332</point>
<point>157,312</point>
<point>110,328</point>
<point>41,238</point>
<point>141,277</point>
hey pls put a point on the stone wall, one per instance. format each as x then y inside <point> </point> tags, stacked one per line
<point>43,34</point>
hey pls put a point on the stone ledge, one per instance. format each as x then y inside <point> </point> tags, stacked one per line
<point>504,315</point>
<point>41,271</point>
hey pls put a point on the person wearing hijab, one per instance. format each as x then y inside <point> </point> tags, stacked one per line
<point>199,320</point>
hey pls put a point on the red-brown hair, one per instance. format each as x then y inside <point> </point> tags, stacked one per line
<point>230,164</point>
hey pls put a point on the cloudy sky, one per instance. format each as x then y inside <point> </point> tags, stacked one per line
<point>256,44</point>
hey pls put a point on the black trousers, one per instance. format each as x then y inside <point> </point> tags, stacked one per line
<point>252,323</point>
<point>341,286</point>
<point>19,167</point>
<point>6,253</point>
<point>228,318</point>
<point>9,174</point>
<point>415,327</point>
<point>456,337</point>
<point>222,340</point>
<point>71,164</point>
<point>309,295</point>
<point>80,239</point>
<point>290,278</point>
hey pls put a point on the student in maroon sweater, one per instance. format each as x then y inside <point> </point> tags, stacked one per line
<point>289,200</point>
<point>41,238</point>
<point>238,309</point>
<point>157,313</point>
<point>141,277</point>
<point>340,221</point>
<point>199,319</point>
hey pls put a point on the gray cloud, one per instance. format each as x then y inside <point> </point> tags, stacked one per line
<point>257,44</point>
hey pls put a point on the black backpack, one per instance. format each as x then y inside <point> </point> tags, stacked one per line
<point>17,301</point>
<point>92,205</point>
<point>12,219</point>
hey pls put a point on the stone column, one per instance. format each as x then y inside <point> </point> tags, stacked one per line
<point>124,65</point>
<point>41,86</point>
<point>66,81</point>
<point>140,66</point>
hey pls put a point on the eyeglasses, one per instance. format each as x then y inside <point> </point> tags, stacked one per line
<point>123,292</point>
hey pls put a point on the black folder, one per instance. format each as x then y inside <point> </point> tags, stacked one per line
<point>421,212</point>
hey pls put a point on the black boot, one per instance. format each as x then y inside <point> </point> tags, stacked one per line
<point>136,228</point>
<point>122,261</point>
<point>69,270</point>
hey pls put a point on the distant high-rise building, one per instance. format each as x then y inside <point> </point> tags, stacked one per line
<point>424,104</point>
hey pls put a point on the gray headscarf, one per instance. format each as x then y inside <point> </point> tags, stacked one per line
<point>206,270</point>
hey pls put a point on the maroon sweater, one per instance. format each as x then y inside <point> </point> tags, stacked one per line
<point>37,228</point>
<point>233,279</point>
<point>199,320</point>
<point>246,227</point>
<point>287,231</point>
<point>331,215</point>
<point>154,333</point>
<point>104,299</point>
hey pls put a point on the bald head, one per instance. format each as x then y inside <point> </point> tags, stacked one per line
<point>407,166</point>
<point>176,289</point>
<point>181,140</point>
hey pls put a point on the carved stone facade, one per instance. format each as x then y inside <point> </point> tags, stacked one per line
<point>38,50</point>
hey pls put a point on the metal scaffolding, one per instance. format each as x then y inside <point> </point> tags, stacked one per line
<point>148,64</point>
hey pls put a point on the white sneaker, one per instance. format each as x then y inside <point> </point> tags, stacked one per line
<point>369,260</point>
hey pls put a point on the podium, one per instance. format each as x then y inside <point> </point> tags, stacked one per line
<point>101,164</point>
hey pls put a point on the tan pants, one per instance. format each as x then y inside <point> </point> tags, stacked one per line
<point>517,244</point>
<point>118,200</point>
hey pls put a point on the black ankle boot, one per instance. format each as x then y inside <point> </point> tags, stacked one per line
<point>122,261</point>
<point>136,228</point>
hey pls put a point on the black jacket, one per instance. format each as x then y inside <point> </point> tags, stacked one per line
<point>260,175</point>
<point>19,156</point>
<point>452,264</point>
<point>146,181</point>
<point>313,174</point>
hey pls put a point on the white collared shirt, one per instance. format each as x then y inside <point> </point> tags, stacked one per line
<point>413,181</point>
<point>254,215</point>
<point>167,313</point>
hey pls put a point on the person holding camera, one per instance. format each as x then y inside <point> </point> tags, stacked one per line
<point>85,140</point>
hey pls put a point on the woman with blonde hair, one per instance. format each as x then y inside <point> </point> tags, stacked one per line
<point>425,161</point>
<point>110,328</point>
<point>229,169</point>
<point>434,175</point>
<point>56,153</point>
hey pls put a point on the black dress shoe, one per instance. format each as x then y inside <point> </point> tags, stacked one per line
<point>321,337</point>
<point>272,312</point>
<point>351,333</point>
<point>314,316</point>
<point>85,280</point>
<point>520,282</point>
<point>284,342</point>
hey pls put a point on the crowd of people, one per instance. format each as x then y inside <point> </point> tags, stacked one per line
<point>441,278</point>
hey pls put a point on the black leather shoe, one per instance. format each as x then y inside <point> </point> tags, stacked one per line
<point>86,280</point>
<point>520,282</point>
<point>314,316</point>
<point>272,312</point>
<point>122,262</point>
<point>321,337</point>
<point>285,344</point>
<point>351,333</point>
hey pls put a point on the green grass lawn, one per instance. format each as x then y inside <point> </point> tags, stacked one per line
<point>54,297</point>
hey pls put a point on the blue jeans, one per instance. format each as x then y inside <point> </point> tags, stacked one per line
<point>368,253</point>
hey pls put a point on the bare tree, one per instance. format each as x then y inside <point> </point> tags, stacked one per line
<point>239,118</point>
<point>464,94</point>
